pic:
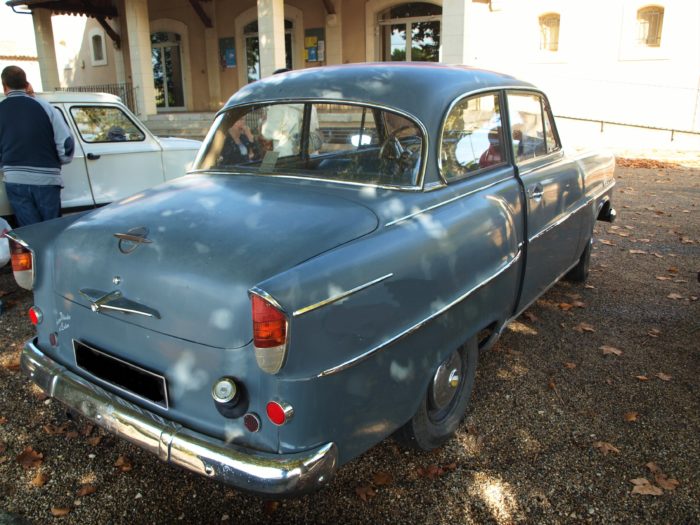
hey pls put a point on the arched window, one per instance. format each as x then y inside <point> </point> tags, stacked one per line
<point>411,32</point>
<point>649,24</point>
<point>549,32</point>
<point>252,48</point>
<point>98,54</point>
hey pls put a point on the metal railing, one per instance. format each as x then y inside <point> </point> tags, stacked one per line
<point>124,91</point>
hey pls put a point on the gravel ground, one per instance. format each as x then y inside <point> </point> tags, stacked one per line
<point>557,428</point>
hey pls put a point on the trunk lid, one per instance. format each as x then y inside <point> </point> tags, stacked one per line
<point>194,247</point>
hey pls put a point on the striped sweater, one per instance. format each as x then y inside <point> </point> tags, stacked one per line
<point>34,141</point>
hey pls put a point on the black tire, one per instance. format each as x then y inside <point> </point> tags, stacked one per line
<point>432,426</point>
<point>579,273</point>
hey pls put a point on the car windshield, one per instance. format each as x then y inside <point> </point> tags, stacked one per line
<point>329,141</point>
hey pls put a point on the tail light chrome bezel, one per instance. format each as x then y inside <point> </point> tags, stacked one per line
<point>24,278</point>
<point>270,359</point>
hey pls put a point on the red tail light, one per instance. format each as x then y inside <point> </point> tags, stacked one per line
<point>21,257</point>
<point>269,334</point>
<point>269,324</point>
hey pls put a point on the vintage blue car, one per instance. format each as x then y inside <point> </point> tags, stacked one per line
<point>349,239</point>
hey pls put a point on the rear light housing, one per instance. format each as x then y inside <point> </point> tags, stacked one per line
<point>22,261</point>
<point>270,332</point>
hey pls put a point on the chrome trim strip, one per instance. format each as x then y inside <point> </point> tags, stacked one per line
<point>245,468</point>
<point>114,300</point>
<point>139,239</point>
<point>425,146</point>
<point>357,359</point>
<point>343,295</point>
<point>117,387</point>
<point>264,295</point>
<point>448,201</point>
<point>573,212</point>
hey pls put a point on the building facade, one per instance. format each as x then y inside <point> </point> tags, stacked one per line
<point>628,61</point>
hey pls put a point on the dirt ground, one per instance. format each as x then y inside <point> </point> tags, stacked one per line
<point>594,386</point>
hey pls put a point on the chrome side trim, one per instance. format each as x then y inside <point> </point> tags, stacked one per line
<point>448,201</point>
<point>247,469</point>
<point>563,218</point>
<point>357,359</point>
<point>343,295</point>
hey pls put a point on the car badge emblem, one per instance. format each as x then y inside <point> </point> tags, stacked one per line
<point>132,239</point>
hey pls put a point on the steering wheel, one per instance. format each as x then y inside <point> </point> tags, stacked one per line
<point>391,148</point>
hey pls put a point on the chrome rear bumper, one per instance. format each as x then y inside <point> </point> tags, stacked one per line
<point>246,469</point>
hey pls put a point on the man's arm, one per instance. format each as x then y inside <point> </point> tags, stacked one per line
<point>65,144</point>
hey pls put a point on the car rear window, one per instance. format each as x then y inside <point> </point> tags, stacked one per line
<point>329,141</point>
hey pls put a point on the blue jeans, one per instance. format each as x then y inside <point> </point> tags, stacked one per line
<point>32,203</point>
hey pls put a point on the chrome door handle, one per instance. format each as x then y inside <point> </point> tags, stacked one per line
<point>536,192</point>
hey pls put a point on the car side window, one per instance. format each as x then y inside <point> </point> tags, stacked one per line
<point>105,124</point>
<point>341,127</point>
<point>472,138</point>
<point>527,126</point>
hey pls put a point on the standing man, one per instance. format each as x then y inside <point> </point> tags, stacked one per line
<point>34,143</point>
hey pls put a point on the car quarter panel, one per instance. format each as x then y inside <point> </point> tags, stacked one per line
<point>439,271</point>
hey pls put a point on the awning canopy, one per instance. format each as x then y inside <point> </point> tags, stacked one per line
<point>93,8</point>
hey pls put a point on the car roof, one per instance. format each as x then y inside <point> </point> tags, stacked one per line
<point>58,97</point>
<point>424,90</point>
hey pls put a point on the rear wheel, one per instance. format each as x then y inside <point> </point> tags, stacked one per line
<point>579,273</point>
<point>445,402</point>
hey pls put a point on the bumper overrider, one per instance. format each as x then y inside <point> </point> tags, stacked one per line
<point>246,469</point>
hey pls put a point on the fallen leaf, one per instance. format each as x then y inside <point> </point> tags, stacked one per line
<point>584,327</point>
<point>654,332</point>
<point>531,317</point>
<point>674,296</point>
<point>672,269</point>
<point>589,287</point>
<point>94,441</point>
<point>644,487</point>
<point>638,252</point>
<point>607,242</point>
<point>382,478</point>
<point>270,506</point>
<point>365,492</point>
<point>663,278</point>
<point>124,464</point>
<point>552,384</point>
<point>3,447</point>
<point>607,350</point>
<point>631,416</point>
<point>30,458</point>
<point>662,376</point>
<point>55,430</point>
<point>665,483</point>
<point>431,472</point>
<point>570,365</point>
<point>87,429</point>
<point>86,490</point>
<point>658,255</point>
<point>565,306</point>
<point>59,511</point>
<point>3,420</point>
<point>12,363</point>
<point>579,304</point>
<point>72,434</point>
<point>40,479</point>
<point>606,447</point>
<point>653,467</point>
<point>642,378</point>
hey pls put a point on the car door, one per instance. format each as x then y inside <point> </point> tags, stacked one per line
<point>122,157</point>
<point>76,192</point>
<point>553,190</point>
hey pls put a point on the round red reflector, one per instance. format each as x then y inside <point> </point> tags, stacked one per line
<point>251,422</point>
<point>35,315</point>
<point>53,339</point>
<point>276,414</point>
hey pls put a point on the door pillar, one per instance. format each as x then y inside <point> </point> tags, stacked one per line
<point>271,36</point>
<point>45,50</point>
<point>139,36</point>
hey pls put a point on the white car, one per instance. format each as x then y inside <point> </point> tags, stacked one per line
<point>115,154</point>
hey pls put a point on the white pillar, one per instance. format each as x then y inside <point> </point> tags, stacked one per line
<point>271,36</point>
<point>454,32</point>
<point>45,50</point>
<point>334,35</point>
<point>211,48</point>
<point>138,29</point>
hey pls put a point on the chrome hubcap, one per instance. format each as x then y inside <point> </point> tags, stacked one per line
<point>446,382</point>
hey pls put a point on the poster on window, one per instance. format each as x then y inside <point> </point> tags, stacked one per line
<point>314,45</point>
<point>227,52</point>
